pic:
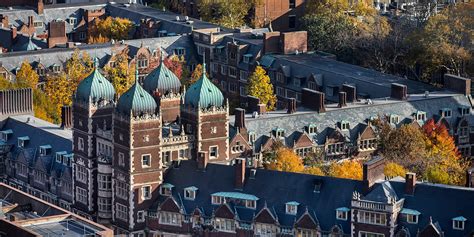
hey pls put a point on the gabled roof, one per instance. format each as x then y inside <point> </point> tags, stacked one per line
<point>383,193</point>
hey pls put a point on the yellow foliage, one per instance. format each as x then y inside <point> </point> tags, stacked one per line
<point>314,170</point>
<point>26,76</point>
<point>103,31</point>
<point>197,73</point>
<point>346,169</point>
<point>121,75</point>
<point>393,169</point>
<point>58,90</point>
<point>286,160</point>
<point>261,87</point>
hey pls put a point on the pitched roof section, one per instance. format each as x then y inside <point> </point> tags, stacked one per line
<point>161,80</point>
<point>95,87</point>
<point>203,93</point>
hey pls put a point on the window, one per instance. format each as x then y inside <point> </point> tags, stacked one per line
<point>217,200</point>
<point>394,119</point>
<point>297,82</point>
<point>291,21</point>
<point>278,132</point>
<point>421,116</point>
<point>80,144</point>
<point>81,195</point>
<point>252,204</point>
<point>368,144</point>
<point>142,63</point>
<point>56,68</point>
<point>243,91</point>
<point>6,134</point>
<point>82,35</point>
<point>141,216</point>
<point>465,111</point>
<point>38,24</point>
<point>247,58</point>
<point>121,212</point>
<point>280,78</point>
<point>412,219</point>
<point>280,92</point>
<point>41,71</point>
<point>22,169</point>
<point>341,213</point>
<point>226,225</point>
<point>307,233</point>
<point>44,150</point>
<point>23,141</point>
<point>146,192</point>
<point>213,152</point>
<point>232,87</point>
<point>105,204</point>
<point>372,218</point>
<point>166,156</point>
<point>122,190</point>
<point>223,70</point>
<point>312,129</point>
<point>232,55</point>
<point>292,4</point>
<point>232,72</point>
<point>72,21</point>
<point>121,159</point>
<point>165,189</point>
<point>252,137</point>
<point>81,174</point>
<point>146,161</point>
<point>446,113</point>
<point>183,153</point>
<point>265,229</point>
<point>244,75</point>
<point>292,208</point>
<point>179,51</point>
<point>458,223</point>
<point>201,50</point>
<point>190,193</point>
<point>224,85</point>
<point>170,218</point>
<point>105,182</point>
<point>345,125</point>
<point>368,234</point>
<point>146,138</point>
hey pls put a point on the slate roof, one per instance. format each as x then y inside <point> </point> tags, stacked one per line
<point>273,189</point>
<point>40,133</point>
<point>355,114</point>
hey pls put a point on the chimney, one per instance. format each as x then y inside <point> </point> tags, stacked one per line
<point>399,91</point>
<point>239,173</point>
<point>342,99</point>
<point>457,84</point>
<point>470,178</point>
<point>202,160</point>
<point>313,100</point>
<point>262,109</point>
<point>239,118</point>
<point>351,92</point>
<point>66,117</point>
<point>271,42</point>
<point>291,106</point>
<point>57,33</point>
<point>40,7</point>
<point>373,171</point>
<point>410,183</point>
<point>30,21</point>
<point>294,42</point>
<point>13,33</point>
<point>4,20</point>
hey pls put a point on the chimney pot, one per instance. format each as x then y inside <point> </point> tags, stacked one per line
<point>203,159</point>
<point>262,109</point>
<point>373,171</point>
<point>410,183</point>
<point>399,91</point>
<point>239,173</point>
<point>291,106</point>
<point>470,178</point>
<point>239,118</point>
<point>342,99</point>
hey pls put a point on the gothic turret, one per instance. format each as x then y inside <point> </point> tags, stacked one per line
<point>136,101</point>
<point>95,87</point>
<point>161,80</point>
<point>203,93</point>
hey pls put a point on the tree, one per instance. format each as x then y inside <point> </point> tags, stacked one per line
<point>175,64</point>
<point>286,160</point>
<point>346,169</point>
<point>78,66</point>
<point>102,31</point>
<point>393,169</point>
<point>26,76</point>
<point>314,170</point>
<point>197,73</point>
<point>58,90</point>
<point>229,14</point>
<point>44,107</point>
<point>6,84</point>
<point>121,74</point>
<point>261,87</point>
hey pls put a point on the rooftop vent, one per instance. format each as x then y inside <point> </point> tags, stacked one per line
<point>318,183</point>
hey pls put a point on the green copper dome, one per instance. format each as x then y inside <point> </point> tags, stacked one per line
<point>95,87</point>
<point>136,100</point>
<point>203,93</point>
<point>162,80</point>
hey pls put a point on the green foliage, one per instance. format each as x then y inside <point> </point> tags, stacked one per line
<point>261,87</point>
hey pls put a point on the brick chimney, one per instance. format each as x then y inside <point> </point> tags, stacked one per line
<point>30,21</point>
<point>271,42</point>
<point>202,160</point>
<point>13,33</point>
<point>470,178</point>
<point>291,106</point>
<point>351,92</point>
<point>342,99</point>
<point>457,84</point>
<point>239,118</point>
<point>66,117</point>
<point>373,171</point>
<point>313,100</point>
<point>294,42</point>
<point>262,109</point>
<point>399,91</point>
<point>239,173</point>
<point>40,7</point>
<point>4,20</point>
<point>57,33</point>
<point>410,183</point>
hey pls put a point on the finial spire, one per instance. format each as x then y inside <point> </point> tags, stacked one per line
<point>204,63</point>
<point>136,73</point>
<point>96,62</point>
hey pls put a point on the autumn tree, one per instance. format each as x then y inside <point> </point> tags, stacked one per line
<point>393,169</point>
<point>286,160</point>
<point>197,73</point>
<point>314,170</point>
<point>26,76</point>
<point>44,107</point>
<point>346,169</point>
<point>102,31</point>
<point>261,87</point>
<point>58,90</point>
<point>231,14</point>
<point>6,84</point>
<point>121,74</point>
<point>175,64</point>
<point>78,66</point>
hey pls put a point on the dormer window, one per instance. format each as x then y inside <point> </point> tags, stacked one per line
<point>394,119</point>
<point>411,215</point>
<point>56,68</point>
<point>342,213</point>
<point>142,63</point>
<point>179,51</point>
<point>23,141</point>
<point>190,193</point>
<point>72,21</point>
<point>252,137</point>
<point>165,189</point>
<point>247,58</point>
<point>6,134</point>
<point>311,129</point>
<point>44,150</point>
<point>59,156</point>
<point>291,208</point>
<point>345,125</point>
<point>317,185</point>
<point>446,112</point>
<point>420,115</point>
<point>458,222</point>
<point>37,24</point>
<point>297,81</point>
<point>217,200</point>
<point>252,204</point>
<point>464,110</point>
<point>279,132</point>
<point>67,159</point>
